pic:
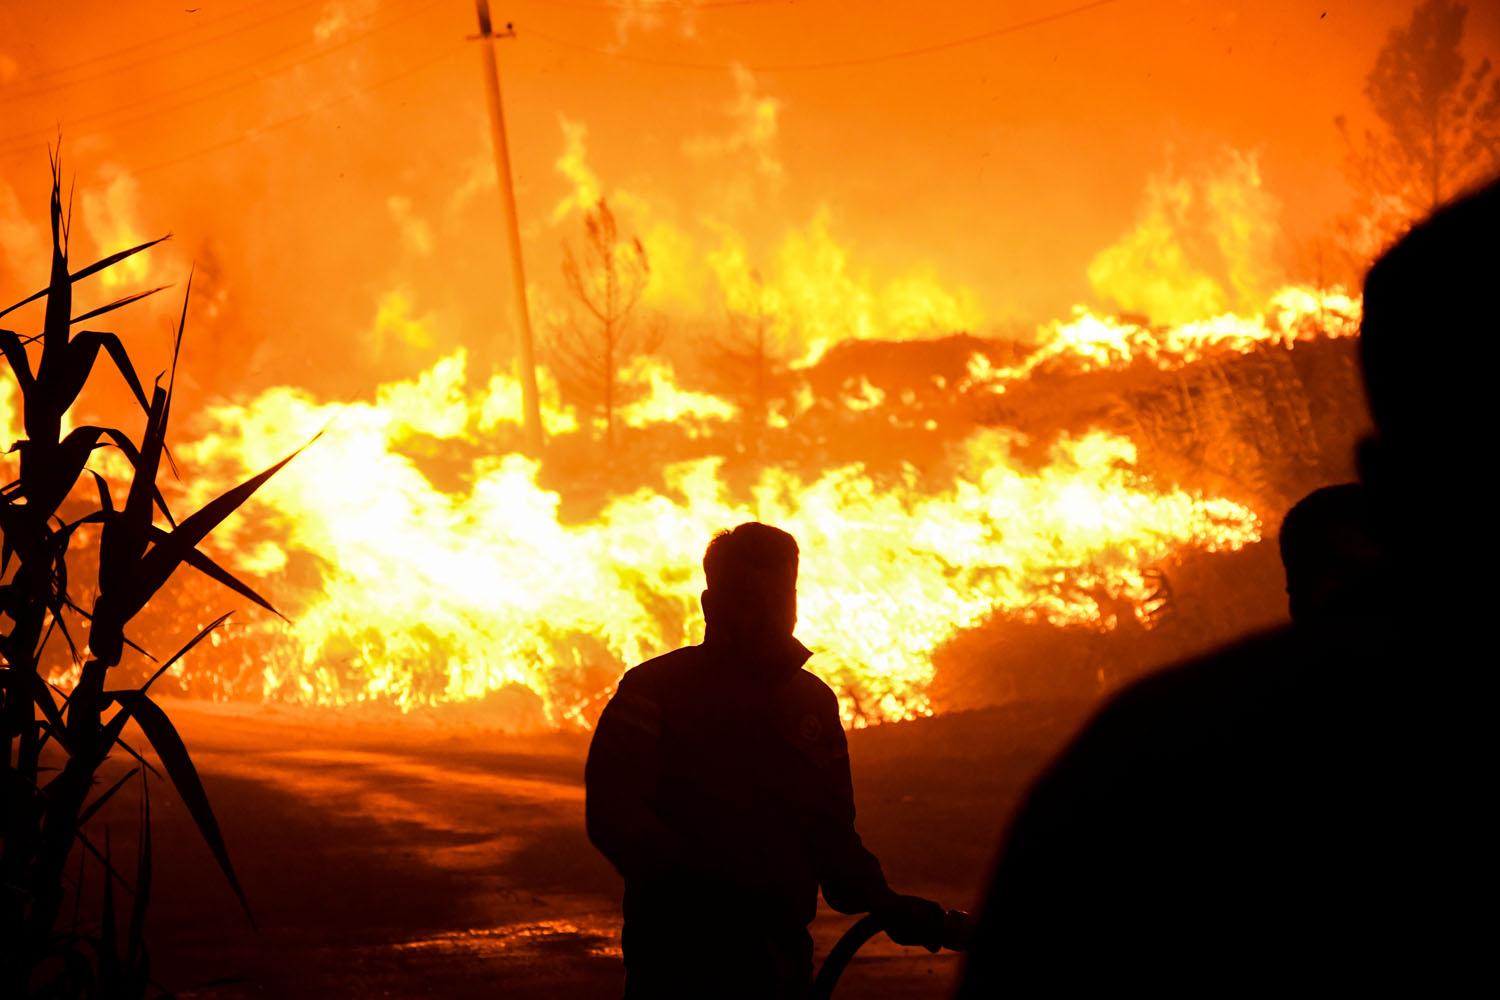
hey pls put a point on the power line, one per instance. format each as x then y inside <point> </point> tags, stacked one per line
<point>250,65</point>
<point>23,142</point>
<point>660,6</point>
<point>426,64</point>
<point>299,116</point>
<point>647,8</point>
<point>921,50</point>
<point>147,43</point>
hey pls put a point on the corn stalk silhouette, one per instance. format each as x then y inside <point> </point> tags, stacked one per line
<point>55,742</point>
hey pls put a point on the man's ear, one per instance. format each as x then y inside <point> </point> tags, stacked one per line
<point>707,601</point>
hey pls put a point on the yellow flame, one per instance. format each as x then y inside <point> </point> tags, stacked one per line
<point>502,404</point>
<point>1089,341</point>
<point>810,289</point>
<point>666,403</point>
<point>10,416</point>
<point>110,214</point>
<point>432,594</point>
<point>441,583</point>
<point>1202,244</point>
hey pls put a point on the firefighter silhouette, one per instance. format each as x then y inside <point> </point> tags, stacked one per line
<point>718,785</point>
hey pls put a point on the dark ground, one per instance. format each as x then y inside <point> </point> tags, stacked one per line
<point>410,861</point>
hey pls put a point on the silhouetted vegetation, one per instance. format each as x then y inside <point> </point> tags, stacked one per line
<point>751,359</point>
<point>606,277</point>
<point>56,735</point>
<point>1439,126</point>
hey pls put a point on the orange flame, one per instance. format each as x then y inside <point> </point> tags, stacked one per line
<point>433,589</point>
<point>432,594</point>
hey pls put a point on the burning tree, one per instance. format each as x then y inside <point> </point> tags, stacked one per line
<point>606,277</point>
<point>751,356</point>
<point>1439,125</point>
<point>55,741</point>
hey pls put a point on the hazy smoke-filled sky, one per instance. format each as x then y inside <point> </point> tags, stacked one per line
<point>327,164</point>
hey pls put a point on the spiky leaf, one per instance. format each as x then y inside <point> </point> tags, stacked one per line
<point>174,756</point>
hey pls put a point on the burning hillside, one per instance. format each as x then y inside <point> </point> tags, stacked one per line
<point>938,481</point>
<point>423,559</point>
<point>693,377</point>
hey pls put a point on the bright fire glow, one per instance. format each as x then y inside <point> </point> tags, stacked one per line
<point>1088,341</point>
<point>433,593</point>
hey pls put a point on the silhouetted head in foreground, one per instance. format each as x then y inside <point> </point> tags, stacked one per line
<point>1427,345</point>
<point>1305,805</point>
<point>1329,554</point>
<point>752,585</point>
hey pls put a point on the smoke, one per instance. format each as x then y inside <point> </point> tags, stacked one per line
<point>396,327</point>
<point>754,117</point>
<point>416,234</point>
<point>112,218</point>
<point>1203,244</point>
<point>646,16</point>
<point>23,244</point>
<point>336,18</point>
<point>574,166</point>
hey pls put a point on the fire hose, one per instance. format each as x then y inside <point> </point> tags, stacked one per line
<point>956,929</point>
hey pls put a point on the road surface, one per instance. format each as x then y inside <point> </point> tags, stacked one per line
<point>407,859</point>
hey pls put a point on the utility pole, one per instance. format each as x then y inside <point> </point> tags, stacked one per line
<point>532,415</point>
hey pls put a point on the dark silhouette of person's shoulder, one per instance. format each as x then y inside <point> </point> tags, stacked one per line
<point>660,673</point>
<point>1187,702</point>
<point>810,690</point>
<point>1176,741</point>
<point>1138,806</point>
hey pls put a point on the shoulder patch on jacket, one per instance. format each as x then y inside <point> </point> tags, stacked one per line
<point>810,727</point>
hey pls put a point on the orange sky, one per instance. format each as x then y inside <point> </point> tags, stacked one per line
<point>322,161</point>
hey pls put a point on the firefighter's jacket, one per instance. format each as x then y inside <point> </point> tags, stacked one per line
<point>718,784</point>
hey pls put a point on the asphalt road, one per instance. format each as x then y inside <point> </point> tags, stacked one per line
<point>414,860</point>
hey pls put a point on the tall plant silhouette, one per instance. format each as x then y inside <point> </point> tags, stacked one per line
<point>55,741</point>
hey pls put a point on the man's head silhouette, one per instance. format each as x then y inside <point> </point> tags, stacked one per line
<point>1328,551</point>
<point>752,584</point>
<point>1427,345</point>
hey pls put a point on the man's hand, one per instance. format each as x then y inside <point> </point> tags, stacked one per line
<point>912,920</point>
